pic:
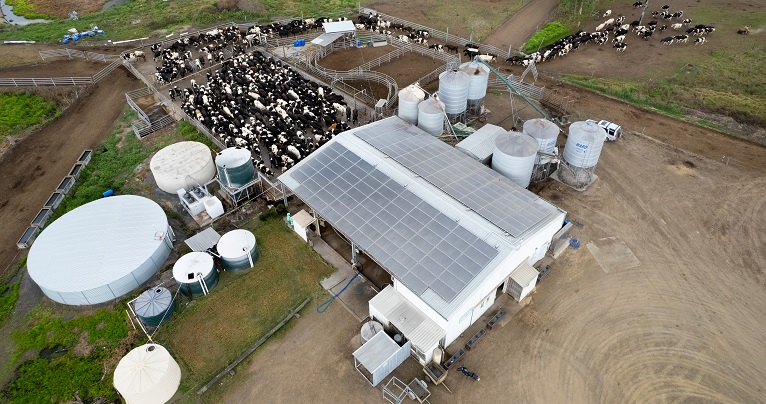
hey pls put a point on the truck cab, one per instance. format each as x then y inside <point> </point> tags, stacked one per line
<point>613,131</point>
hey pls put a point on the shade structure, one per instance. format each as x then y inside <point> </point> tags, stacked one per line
<point>238,250</point>
<point>147,375</point>
<point>193,268</point>
<point>182,165</point>
<point>101,250</point>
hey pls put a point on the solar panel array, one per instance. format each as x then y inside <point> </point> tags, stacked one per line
<point>415,242</point>
<point>500,201</point>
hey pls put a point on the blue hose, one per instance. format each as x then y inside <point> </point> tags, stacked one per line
<point>322,307</point>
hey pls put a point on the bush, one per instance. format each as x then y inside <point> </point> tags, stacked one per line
<point>552,32</point>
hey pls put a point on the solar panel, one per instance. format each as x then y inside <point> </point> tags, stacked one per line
<point>418,244</point>
<point>489,194</point>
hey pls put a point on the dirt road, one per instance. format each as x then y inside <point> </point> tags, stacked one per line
<point>520,26</point>
<point>33,169</point>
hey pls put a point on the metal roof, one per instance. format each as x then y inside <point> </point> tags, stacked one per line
<point>97,244</point>
<point>303,219</point>
<point>524,274</point>
<point>481,143</point>
<point>423,332</point>
<point>339,26</point>
<point>203,240</point>
<point>326,39</point>
<point>375,352</point>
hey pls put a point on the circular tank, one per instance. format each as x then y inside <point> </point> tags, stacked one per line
<point>147,375</point>
<point>514,156</point>
<point>182,165</point>
<point>431,116</point>
<point>584,144</point>
<point>234,248</point>
<point>544,131</point>
<point>453,91</point>
<point>187,271</point>
<point>369,329</point>
<point>235,166</point>
<point>154,305</point>
<point>478,75</point>
<point>409,98</point>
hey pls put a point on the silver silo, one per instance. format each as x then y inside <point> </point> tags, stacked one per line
<point>453,92</point>
<point>478,74</point>
<point>584,144</point>
<point>514,157</point>
<point>409,98</point>
<point>431,116</point>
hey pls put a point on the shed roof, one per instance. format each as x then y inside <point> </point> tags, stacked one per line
<point>524,274</point>
<point>339,26</point>
<point>303,218</point>
<point>423,332</point>
<point>481,143</point>
<point>203,240</point>
<point>326,39</point>
<point>376,352</point>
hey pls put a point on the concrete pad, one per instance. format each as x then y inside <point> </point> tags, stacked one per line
<point>612,254</point>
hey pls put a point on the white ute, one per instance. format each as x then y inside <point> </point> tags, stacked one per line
<point>613,131</point>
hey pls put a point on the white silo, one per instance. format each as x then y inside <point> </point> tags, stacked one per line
<point>431,116</point>
<point>584,144</point>
<point>544,131</point>
<point>182,165</point>
<point>409,98</point>
<point>147,375</point>
<point>453,92</point>
<point>478,74</point>
<point>514,157</point>
<point>235,166</point>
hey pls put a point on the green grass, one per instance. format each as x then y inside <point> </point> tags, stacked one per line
<point>20,111</point>
<point>208,334</point>
<point>552,32</point>
<point>626,91</point>
<point>190,133</point>
<point>27,9</point>
<point>8,297</point>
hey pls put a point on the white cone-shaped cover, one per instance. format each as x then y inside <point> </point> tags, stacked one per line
<point>147,375</point>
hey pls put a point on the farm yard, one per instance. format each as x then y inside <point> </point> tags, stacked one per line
<point>681,321</point>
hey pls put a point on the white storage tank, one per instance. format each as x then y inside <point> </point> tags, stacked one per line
<point>147,375</point>
<point>192,267</point>
<point>514,157</point>
<point>182,165</point>
<point>369,329</point>
<point>544,131</point>
<point>584,144</point>
<point>101,250</point>
<point>453,91</point>
<point>409,98</point>
<point>235,166</point>
<point>431,116</point>
<point>478,74</point>
<point>238,250</point>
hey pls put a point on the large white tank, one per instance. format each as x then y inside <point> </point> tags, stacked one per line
<point>544,131</point>
<point>431,116</point>
<point>174,164</point>
<point>453,91</point>
<point>235,166</point>
<point>188,270</point>
<point>238,250</point>
<point>409,98</point>
<point>584,144</point>
<point>147,375</point>
<point>478,74</point>
<point>514,157</point>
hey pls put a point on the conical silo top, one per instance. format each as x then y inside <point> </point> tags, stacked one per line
<point>431,106</point>
<point>516,144</point>
<point>454,79</point>
<point>587,132</point>
<point>412,93</point>
<point>541,128</point>
<point>474,68</point>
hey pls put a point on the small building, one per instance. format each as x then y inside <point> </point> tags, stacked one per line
<point>302,222</point>
<point>449,230</point>
<point>333,31</point>
<point>481,143</point>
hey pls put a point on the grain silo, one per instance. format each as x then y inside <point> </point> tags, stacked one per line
<point>101,250</point>
<point>478,74</point>
<point>544,131</point>
<point>409,98</point>
<point>431,116</point>
<point>182,165</point>
<point>154,306</point>
<point>147,375</point>
<point>581,153</point>
<point>514,157</point>
<point>235,167</point>
<point>453,92</point>
<point>238,250</point>
<point>195,273</point>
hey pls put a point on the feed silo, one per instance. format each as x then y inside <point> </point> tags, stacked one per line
<point>147,375</point>
<point>409,98</point>
<point>182,165</point>
<point>101,250</point>
<point>453,92</point>
<point>196,274</point>
<point>431,116</point>
<point>238,250</point>
<point>544,131</point>
<point>235,166</point>
<point>514,157</point>
<point>584,144</point>
<point>478,74</point>
<point>154,306</point>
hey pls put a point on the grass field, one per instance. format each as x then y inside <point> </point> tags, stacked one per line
<point>209,332</point>
<point>21,111</point>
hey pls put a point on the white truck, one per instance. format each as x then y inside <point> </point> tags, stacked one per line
<point>613,131</point>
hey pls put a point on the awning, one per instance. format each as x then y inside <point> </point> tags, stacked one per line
<point>326,39</point>
<point>423,332</point>
<point>524,274</point>
<point>203,240</point>
<point>338,26</point>
<point>380,356</point>
<point>303,219</point>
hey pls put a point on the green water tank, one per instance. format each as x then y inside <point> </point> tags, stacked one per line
<point>238,250</point>
<point>154,305</point>
<point>235,166</point>
<point>193,267</point>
